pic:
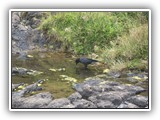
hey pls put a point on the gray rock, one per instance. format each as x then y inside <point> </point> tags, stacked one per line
<point>88,88</point>
<point>15,38</point>
<point>15,18</point>
<point>130,74</point>
<point>17,101</point>
<point>29,89</point>
<point>15,86</point>
<point>59,103</point>
<point>105,104</point>
<point>127,105</point>
<point>75,96</point>
<point>40,100</point>
<point>114,97</point>
<point>82,103</point>
<point>135,89</point>
<point>22,56</point>
<point>78,87</point>
<point>24,71</point>
<point>26,38</point>
<point>92,93</point>
<point>93,81</point>
<point>113,83</point>
<point>139,100</point>
<point>68,106</point>
<point>115,74</point>
<point>22,27</point>
<point>19,70</point>
<point>101,103</point>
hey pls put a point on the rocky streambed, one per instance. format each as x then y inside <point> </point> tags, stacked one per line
<point>92,93</point>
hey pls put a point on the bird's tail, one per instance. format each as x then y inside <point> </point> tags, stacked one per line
<point>95,60</point>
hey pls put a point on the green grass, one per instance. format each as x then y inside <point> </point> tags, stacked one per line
<point>129,51</point>
<point>119,38</point>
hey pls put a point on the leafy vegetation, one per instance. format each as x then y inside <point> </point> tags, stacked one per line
<point>119,38</point>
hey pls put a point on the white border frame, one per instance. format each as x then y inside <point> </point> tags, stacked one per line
<point>69,10</point>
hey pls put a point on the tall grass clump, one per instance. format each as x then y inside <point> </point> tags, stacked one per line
<point>130,50</point>
<point>84,30</point>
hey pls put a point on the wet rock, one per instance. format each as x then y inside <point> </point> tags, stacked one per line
<point>139,100</point>
<point>29,89</point>
<point>40,100</point>
<point>24,71</point>
<point>34,72</point>
<point>15,86</point>
<point>59,103</point>
<point>137,76</point>
<point>32,87</point>
<point>19,70</point>
<point>82,103</point>
<point>22,56</point>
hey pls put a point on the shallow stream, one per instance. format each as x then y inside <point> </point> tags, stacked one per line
<point>55,65</point>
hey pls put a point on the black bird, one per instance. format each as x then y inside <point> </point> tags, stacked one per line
<point>85,61</point>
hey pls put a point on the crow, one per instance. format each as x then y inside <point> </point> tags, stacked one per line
<point>85,61</point>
